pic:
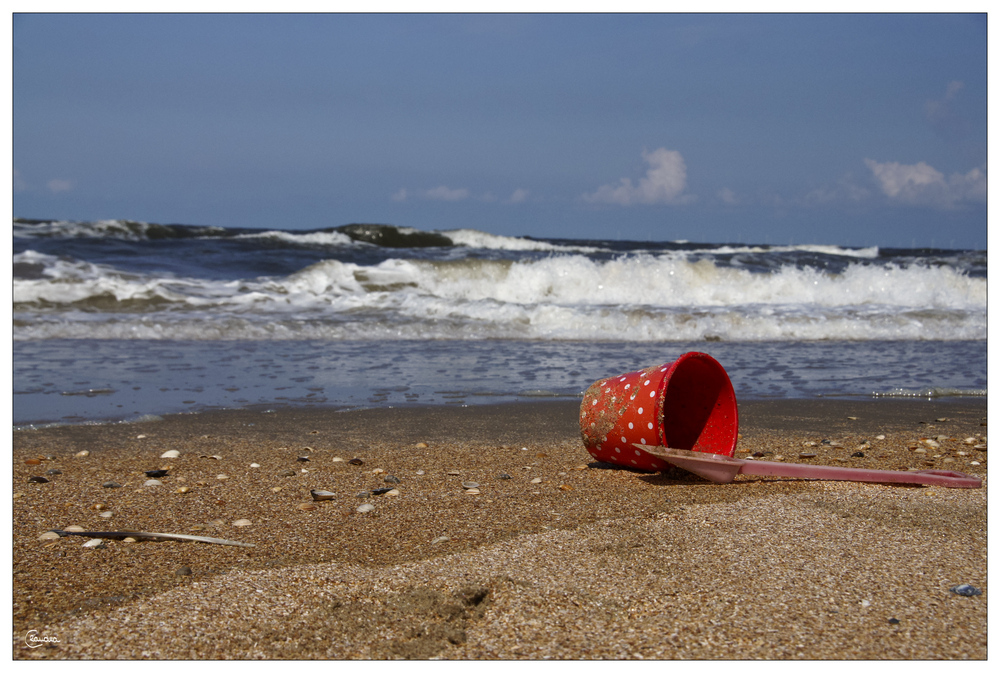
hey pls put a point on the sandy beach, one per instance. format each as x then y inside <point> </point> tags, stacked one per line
<point>557,556</point>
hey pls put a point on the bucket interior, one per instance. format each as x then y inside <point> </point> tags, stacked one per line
<point>699,408</point>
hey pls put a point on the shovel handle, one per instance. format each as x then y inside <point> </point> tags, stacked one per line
<point>833,473</point>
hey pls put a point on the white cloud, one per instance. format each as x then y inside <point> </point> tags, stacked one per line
<point>58,185</point>
<point>921,184</point>
<point>728,196</point>
<point>664,182</point>
<point>400,195</point>
<point>944,118</point>
<point>443,193</point>
<point>519,196</point>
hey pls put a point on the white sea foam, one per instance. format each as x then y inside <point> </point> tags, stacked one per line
<point>473,238</point>
<point>304,238</point>
<point>639,298</point>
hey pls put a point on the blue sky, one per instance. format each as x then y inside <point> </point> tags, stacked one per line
<point>760,128</point>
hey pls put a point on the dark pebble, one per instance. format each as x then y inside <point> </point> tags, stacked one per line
<point>503,475</point>
<point>303,459</point>
<point>111,484</point>
<point>893,620</point>
<point>287,473</point>
<point>37,480</point>
<point>858,454</point>
<point>363,494</point>
<point>183,571</point>
<point>380,491</point>
<point>156,474</point>
<point>356,461</point>
<point>966,590</point>
<point>53,471</point>
<point>389,479</point>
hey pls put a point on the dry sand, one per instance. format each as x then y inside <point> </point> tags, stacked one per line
<point>592,562</point>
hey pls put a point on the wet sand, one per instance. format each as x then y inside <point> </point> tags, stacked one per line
<point>591,561</point>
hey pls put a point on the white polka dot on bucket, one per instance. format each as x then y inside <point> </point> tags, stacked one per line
<point>640,410</point>
<point>647,383</point>
<point>629,426</point>
<point>627,386</point>
<point>594,404</point>
<point>638,453</point>
<point>623,440</point>
<point>643,441</point>
<point>617,450</point>
<point>652,393</point>
<point>649,425</point>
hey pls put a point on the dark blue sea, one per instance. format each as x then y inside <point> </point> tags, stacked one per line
<point>120,320</point>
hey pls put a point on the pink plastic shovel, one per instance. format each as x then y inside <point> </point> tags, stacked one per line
<point>723,469</point>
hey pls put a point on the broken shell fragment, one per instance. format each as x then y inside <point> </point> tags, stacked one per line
<point>322,495</point>
<point>172,453</point>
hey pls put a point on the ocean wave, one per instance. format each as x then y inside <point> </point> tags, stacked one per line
<point>131,230</point>
<point>633,298</point>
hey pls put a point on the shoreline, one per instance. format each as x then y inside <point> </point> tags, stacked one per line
<point>589,562</point>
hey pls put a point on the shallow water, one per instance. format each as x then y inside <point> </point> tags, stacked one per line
<point>81,380</point>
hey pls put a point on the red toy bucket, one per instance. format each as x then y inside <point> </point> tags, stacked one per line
<point>687,404</point>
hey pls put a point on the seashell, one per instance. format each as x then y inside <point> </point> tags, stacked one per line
<point>322,495</point>
<point>966,590</point>
<point>254,465</point>
<point>356,461</point>
<point>565,487</point>
<point>469,484</point>
<point>381,491</point>
<point>32,461</point>
<point>242,522</point>
<point>222,477</point>
<point>275,489</point>
<point>287,473</point>
<point>439,540</point>
<point>392,492</point>
<point>153,482</point>
<point>74,529</point>
<point>105,515</point>
<point>172,453</point>
<point>422,445</point>
<point>49,535</point>
<point>307,506</point>
<point>95,543</point>
<point>454,473</point>
<point>53,471</point>
<point>156,474</point>
<point>536,480</point>
<point>98,507</point>
<point>419,472</point>
<point>367,507</point>
<point>338,459</point>
<point>807,455</point>
<point>140,436</point>
<point>37,480</point>
<point>183,489</point>
<point>472,491</point>
<point>378,470</point>
<point>303,459</point>
<point>81,454</point>
<point>130,540</point>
